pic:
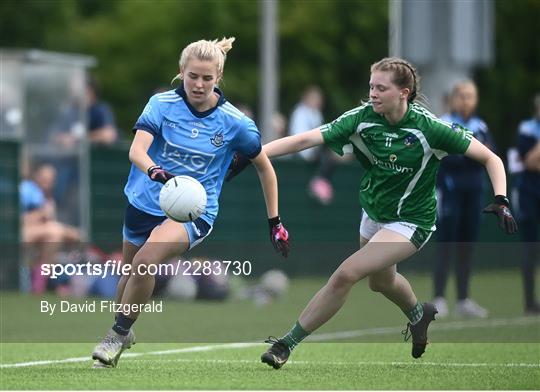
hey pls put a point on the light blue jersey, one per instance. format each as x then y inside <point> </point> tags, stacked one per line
<point>528,137</point>
<point>474,124</point>
<point>192,143</point>
<point>530,128</point>
<point>461,173</point>
<point>31,196</point>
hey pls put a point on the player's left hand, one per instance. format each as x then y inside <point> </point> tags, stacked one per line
<point>238,164</point>
<point>279,236</point>
<point>501,208</point>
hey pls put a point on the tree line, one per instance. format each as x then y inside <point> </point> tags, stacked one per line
<point>330,43</point>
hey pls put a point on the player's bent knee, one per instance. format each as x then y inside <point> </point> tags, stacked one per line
<point>379,286</point>
<point>342,278</point>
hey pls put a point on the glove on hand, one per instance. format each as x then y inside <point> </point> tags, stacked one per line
<point>157,173</point>
<point>500,207</point>
<point>279,236</point>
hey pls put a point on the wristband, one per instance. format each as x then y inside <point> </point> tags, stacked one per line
<point>274,221</point>
<point>500,199</point>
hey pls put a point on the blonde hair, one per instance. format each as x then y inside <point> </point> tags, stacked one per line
<point>206,50</point>
<point>405,74</point>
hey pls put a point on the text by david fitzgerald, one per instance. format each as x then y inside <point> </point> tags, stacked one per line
<point>99,306</point>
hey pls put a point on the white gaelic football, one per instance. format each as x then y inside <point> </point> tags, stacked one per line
<point>182,199</point>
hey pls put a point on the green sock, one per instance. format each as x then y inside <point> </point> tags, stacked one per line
<point>415,314</point>
<point>294,336</point>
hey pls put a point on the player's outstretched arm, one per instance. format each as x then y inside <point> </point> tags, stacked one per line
<point>283,146</point>
<point>495,168</point>
<point>278,234</point>
<point>291,144</point>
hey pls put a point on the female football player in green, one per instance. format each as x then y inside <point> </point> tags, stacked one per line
<point>400,144</point>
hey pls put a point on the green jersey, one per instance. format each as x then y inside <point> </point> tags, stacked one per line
<point>401,160</point>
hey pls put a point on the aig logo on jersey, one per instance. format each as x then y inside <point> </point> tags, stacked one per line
<point>193,160</point>
<point>217,139</point>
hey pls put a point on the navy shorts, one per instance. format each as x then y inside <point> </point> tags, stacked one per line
<point>138,225</point>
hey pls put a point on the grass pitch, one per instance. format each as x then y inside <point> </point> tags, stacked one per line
<point>346,366</point>
<point>361,348</point>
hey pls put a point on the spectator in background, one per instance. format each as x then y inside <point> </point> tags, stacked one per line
<point>101,125</point>
<point>307,115</point>
<point>66,133</point>
<point>40,229</point>
<point>279,121</point>
<point>279,125</point>
<point>460,193</point>
<point>527,202</point>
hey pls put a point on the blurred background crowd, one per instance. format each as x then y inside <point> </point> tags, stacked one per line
<point>77,73</point>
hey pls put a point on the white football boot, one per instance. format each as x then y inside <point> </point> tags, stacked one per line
<point>108,351</point>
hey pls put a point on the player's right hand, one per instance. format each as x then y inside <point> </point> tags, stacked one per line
<point>238,164</point>
<point>158,174</point>
<point>279,236</point>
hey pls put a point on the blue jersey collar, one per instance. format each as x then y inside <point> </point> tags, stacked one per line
<point>461,120</point>
<point>180,91</point>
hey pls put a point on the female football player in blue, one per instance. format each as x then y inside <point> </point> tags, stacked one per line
<point>192,131</point>
<point>460,195</point>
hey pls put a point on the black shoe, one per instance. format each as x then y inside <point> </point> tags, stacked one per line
<point>418,331</point>
<point>277,354</point>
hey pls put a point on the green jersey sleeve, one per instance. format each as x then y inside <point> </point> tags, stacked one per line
<point>336,133</point>
<point>449,138</point>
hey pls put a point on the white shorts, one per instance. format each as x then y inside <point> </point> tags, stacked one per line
<point>417,235</point>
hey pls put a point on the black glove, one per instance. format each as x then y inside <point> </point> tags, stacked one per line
<point>279,236</point>
<point>238,164</point>
<point>157,173</point>
<point>500,207</point>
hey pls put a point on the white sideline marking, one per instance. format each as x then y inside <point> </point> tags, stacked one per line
<point>360,363</point>
<point>203,348</point>
<point>456,325</point>
<point>448,326</point>
<point>132,355</point>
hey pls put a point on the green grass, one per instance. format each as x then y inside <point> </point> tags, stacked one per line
<point>236,321</point>
<point>502,352</point>
<point>313,366</point>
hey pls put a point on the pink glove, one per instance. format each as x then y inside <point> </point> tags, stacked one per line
<point>279,236</point>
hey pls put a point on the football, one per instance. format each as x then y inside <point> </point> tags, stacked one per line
<point>182,199</point>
